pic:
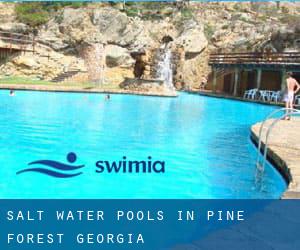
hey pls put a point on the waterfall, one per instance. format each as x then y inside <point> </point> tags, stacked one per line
<point>165,71</point>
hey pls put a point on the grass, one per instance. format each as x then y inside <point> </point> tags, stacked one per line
<point>35,82</point>
<point>21,80</point>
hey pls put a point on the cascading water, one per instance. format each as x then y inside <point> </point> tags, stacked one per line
<point>165,71</point>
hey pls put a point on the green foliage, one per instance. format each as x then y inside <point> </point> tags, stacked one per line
<point>238,7</point>
<point>225,27</point>
<point>246,20</point>
<point>148,10</point>
<point>290,19</point>
<point>32,14</point>
<point>38,13</point>
<point>208,31</point>
<point>284,10</point>
<point>263,18</point>
<point>54,6</point>
<point>187,13</point>
<point>132,12</point>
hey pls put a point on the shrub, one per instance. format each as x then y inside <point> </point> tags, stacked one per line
<point>38,13</point>
<point>208,31</point>
<point>290,19</point>
<point>284,10</point>
<point>132,12</point>
<point>32,14</point>
<point>187,13</point>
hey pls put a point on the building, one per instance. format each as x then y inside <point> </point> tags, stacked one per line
<point>234,73</point>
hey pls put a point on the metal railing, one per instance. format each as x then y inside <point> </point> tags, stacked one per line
<point>17,41</point>
<point>11,42</point>
<point>255,58</point>
<point>260,166</point>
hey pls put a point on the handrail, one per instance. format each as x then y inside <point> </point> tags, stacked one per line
<point>269,131</point>
<point>254,53</point>
<point>292,112</point>
<point>13,33</point>
<point>256,57</point>
<point>253,58</point>
<point>17,41</point>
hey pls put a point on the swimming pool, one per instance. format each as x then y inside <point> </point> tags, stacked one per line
<point>204,142</point>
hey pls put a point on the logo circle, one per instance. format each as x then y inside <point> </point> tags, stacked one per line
<point>71,157</point>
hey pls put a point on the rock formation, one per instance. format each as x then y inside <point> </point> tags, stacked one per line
<point>131,41</point>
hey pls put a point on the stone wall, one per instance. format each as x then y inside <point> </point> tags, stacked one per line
<point>131,42</point>
<point>94,58</point>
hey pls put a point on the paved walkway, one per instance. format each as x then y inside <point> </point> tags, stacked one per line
<point>284,151</point>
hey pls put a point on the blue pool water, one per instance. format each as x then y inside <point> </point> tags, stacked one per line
<point>204,142</point>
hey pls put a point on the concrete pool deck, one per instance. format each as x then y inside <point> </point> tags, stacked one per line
<point>284,151</point>
<point>231,97</point>
<point>80,89</point>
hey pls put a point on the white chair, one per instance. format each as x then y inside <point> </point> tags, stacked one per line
<point>246,94</point>
<point>253,94</point>
<point>263,95</point>
<point>250,94</point>
<point>275,96</point>
<point>297,99</point>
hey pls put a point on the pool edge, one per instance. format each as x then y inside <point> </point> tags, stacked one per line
<point>233,98</point>
<point>281,164</point>
<point>61,89</point>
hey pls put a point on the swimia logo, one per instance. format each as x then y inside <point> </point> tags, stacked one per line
<point>55,168</point>
<point>61,170</point>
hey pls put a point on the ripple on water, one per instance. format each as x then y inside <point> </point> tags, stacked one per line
<point>203,141</point>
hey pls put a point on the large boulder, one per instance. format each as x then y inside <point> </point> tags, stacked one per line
<point>192,37</point>
<point>52,39</point>
<point>14,27</point>
<point>118,56</point>
<point>286,37</point>
<point>194,69</point>
<point>136,36</point>
<point>25,61</point>
<point>152,87</point>
<point>111,23</point>
<point>76,26</point>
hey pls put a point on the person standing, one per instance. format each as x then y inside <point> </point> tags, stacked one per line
<point>203,83</point>
<point>292,88</point>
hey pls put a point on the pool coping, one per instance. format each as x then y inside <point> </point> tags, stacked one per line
<point>74,89</point>
<point>289,171</point>
<point>230,97</point>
